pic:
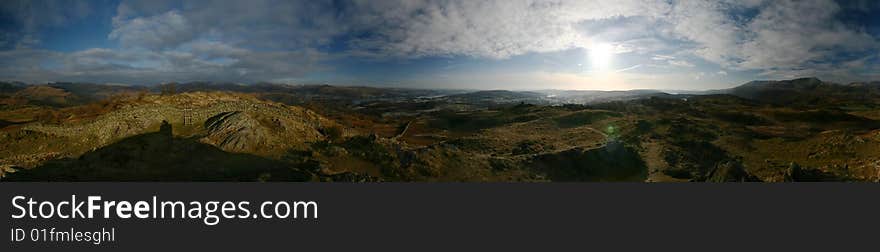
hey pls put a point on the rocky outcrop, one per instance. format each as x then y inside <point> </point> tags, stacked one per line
<point>246,125</point>
<point>252,132</point>
<point>730,171</point>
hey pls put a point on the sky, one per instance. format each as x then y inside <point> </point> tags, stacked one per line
<point>452,44</point>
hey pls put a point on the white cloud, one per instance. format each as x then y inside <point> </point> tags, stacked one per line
<point>166,30</point>
<point>494,29</point>
<point>264,39</point>
<point>26,17</point>
<point>739,35</point>
<point>789,34</point>
<point>706,24</point>
<point>671,60</point>
<point>149,67</point>
<point>680,63</point>
<point>783,35</point>
<point>662,57</point>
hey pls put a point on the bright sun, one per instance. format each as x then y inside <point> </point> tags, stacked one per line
<point>600,56</point>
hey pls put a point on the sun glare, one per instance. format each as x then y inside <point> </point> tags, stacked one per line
<point>600,56</point>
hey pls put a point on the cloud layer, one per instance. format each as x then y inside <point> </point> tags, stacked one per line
<point>250,41</point>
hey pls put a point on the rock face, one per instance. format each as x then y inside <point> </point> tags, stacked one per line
<point>730,171</point>
<point>252,132</point>
<point>238,123</point>
<point>235,131</point>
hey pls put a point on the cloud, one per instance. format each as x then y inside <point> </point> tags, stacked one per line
<point>789,34</point>
<point>166,30</point>
<point>150,67</point>
<point>23,19</point>
<point>783,35</point>
<point>494,29</point>
<point>201,40</point>
<point>680,63</point>
<point>662,57</point>
<point>25,64</point>
<point>739,35</point>
<point>627,69</point>
<point>264,39</point>
<point>262,24</point>
<point>671,60</point>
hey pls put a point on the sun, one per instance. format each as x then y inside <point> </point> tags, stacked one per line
<point>601,55</point>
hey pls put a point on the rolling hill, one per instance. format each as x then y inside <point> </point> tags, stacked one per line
<point>772,131</point>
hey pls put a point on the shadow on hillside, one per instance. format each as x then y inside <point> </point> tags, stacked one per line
<point>159,156</point>
<point>4,123</point>
<point>613,162</point>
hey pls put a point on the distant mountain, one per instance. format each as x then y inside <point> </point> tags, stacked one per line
<point>805,92</point>
<point>202,86</point>
<point>60,94</point>
<point>295,94</point>
<point>773,90</point>
<point>47,95</point>
<point>94,92</point>
<point>11,87</point>
<point>871,84</point>
<point>801,92</point>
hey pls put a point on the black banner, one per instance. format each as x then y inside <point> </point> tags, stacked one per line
<point>450,216</point>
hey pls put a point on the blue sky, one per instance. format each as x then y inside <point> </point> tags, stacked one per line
<point>491,44</point>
